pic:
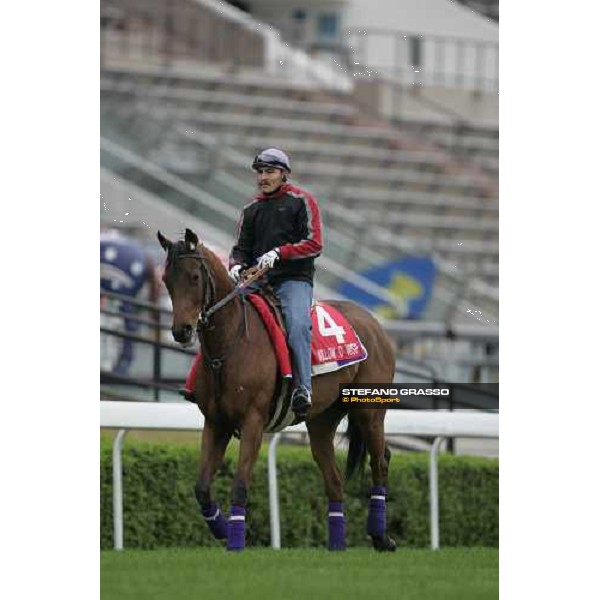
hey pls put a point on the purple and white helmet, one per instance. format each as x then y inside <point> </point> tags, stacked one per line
<point>272,157</point>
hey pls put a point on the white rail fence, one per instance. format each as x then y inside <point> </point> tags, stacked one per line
<point>186,417</point>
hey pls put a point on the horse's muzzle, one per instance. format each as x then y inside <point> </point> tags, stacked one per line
<point>183,334</point>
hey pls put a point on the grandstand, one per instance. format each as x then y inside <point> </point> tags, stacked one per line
<point>489,8</point>
<point>191,89</point>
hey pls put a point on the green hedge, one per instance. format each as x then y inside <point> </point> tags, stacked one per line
<point>159,507</point>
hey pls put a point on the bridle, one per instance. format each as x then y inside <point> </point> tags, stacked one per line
<point>209,290</point>
<point>208,308</point>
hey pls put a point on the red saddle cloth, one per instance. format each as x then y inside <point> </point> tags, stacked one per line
<point>334,343</point>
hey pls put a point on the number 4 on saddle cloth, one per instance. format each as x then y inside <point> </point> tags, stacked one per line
<point>334,345</point>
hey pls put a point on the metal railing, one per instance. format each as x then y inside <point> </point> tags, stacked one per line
<point>183,35</point>
<point>168,33</point>
<point>427,352</point>
<point>151,336</point>
<point>410,58</point>
<point>439,425</point>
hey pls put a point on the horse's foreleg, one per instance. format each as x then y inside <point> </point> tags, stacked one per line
<point>250,440</point>
<point>370,424</point>
<point>322,431</point>
<point>214,443</point>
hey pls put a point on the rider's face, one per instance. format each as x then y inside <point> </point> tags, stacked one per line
<point>269,179</point>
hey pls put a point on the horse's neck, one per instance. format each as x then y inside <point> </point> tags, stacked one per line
<point>226,322</point>
<point>222,283</point>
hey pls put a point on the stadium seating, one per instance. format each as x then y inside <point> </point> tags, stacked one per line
<point>432,184</point>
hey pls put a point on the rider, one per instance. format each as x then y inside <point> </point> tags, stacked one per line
<point>281,229</point>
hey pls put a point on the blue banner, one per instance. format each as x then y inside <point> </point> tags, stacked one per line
<point>410,280</point>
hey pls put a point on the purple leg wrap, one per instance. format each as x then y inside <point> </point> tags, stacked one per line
<point>236,531</point>
<point>215,520</point>
<point>337,526</point>
<point>376,519</point>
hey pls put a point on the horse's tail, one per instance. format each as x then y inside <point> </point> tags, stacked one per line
<point>357,450</point>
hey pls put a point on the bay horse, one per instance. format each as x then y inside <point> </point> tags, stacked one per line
<point>237,396</point>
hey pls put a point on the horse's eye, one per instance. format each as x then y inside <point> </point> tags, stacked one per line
<point>195,278</point>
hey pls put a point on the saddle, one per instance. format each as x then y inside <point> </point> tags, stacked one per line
<point>334,346</point>
<point>268,295</point>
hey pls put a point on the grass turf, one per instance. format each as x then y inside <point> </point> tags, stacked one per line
<point>261,574</point>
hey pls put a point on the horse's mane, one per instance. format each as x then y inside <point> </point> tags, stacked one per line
<point>216,266</point>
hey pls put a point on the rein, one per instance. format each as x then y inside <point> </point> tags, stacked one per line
<point>205,315</point>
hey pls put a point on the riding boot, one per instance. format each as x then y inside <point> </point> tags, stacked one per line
<point>187,394</point>
<point>301,401</point>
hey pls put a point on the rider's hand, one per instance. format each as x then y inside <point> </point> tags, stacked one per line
<point>235,272</point>
<point>268,259</point>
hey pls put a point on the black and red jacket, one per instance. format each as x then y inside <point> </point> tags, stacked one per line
<point>288,220</point>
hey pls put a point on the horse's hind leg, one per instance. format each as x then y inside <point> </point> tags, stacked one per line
<point>370,424</point>
<point>214,443</point>
<point>322,431</point>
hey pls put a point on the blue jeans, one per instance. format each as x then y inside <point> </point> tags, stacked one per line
<point>296,300</point>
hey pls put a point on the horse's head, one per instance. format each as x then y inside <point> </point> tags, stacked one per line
<point>189,282</point>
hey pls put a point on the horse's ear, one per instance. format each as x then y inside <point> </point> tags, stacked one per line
<point>164,242</point>
<point>191,239</point>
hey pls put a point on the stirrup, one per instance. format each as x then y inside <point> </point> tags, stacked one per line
<point>301,401</point>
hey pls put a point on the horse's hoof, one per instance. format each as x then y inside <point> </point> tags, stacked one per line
<point>384,543</point>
